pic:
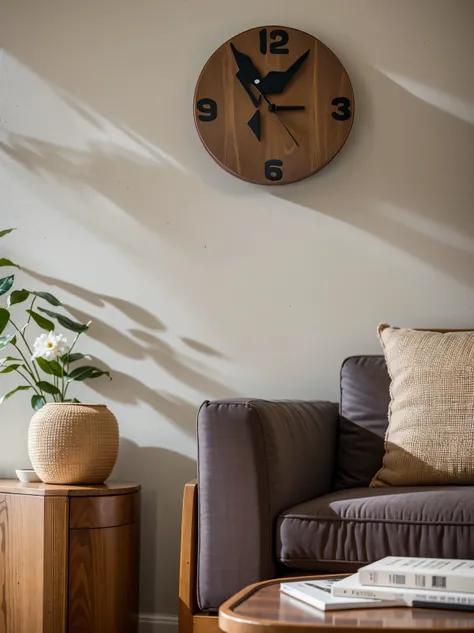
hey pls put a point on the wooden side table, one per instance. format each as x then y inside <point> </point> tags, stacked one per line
<point>69,558</point>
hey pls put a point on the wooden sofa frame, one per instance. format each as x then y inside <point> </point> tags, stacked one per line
<point>191,619</point>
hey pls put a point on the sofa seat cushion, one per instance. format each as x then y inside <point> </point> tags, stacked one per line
<point>349,528</point>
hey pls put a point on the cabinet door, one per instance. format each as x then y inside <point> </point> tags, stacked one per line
<point>103,580</point>
<point>33,564</point>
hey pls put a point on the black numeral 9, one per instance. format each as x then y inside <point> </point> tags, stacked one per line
<point>273,170</point>
<point>281,39</point>
<point>343,106</point>
<point>208,107</point>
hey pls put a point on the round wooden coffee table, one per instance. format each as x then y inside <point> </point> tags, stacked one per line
<point>262,608</point>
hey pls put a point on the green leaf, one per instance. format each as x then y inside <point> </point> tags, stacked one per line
<point>47,296</point>
<point>4,318</point>
<point>37,402</point>
<point>6,232</point>
<point>7,359</point>
<point>6,340</point>
<point>65,322</point>
<point>51,367</point>
<point>17,296</point>
<point>6,283</point>
<point>7,262</point>
<point>48,387</point>
<point>72,358</point>
<point>73,400</point>
<point>44,323</point>
<point>7,370</point>
<point>44,364</point>
<point>56,367</point>
<point>86,372</point>
<point>10,393</point>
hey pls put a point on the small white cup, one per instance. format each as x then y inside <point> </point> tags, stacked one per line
<point>27,476</point>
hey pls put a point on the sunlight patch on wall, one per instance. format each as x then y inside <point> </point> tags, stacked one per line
<point>451,104</point>
<point>442,233</point>
<point>66,122</point>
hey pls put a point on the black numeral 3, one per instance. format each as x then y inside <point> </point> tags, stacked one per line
<point>280,38</point>
<point>343,106</point>
<point>208,107</point>
<point>273,170</point>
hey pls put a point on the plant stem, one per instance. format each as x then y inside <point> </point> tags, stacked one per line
<point>62,384</point>
<point>26,343</point>
<point>27,367</point>
<point>22,335</point>
<point>56,384</point>
<point>29,315</point>
<point>67,371</point>
<point>31,384</point>
<point>72,347</point>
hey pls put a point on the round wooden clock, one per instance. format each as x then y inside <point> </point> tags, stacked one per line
<point>273,105</point>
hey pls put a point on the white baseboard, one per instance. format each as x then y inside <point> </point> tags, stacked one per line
<point>158,623</point>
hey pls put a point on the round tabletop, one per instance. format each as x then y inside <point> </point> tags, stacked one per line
<point>109,488</point>
<point>264,606</point>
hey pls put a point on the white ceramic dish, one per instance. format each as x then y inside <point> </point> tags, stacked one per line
<point>27,476</point>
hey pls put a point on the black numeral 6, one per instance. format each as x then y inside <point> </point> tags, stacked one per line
<point>343,106</point>
<point>208,107</point>
<point>273,170</point>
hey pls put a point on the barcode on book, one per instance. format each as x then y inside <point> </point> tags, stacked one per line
<point>439,581</point>
<point>420,581</point>
<point>397,579</point>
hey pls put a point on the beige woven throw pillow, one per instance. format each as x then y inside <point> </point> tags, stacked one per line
<point>430,435</point>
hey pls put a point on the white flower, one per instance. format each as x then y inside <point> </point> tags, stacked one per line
<point>50,346</point>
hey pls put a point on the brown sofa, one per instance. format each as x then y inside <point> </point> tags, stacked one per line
<point>283,489</point>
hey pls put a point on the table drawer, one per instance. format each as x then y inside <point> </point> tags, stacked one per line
<point>102,512</point>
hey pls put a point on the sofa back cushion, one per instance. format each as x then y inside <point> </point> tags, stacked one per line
<point>363,420</point>
<point>430,435</point>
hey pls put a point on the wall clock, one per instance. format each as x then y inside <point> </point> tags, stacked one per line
<point>273,105</point>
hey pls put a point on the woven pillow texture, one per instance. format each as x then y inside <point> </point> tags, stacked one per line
<point>430,435</point>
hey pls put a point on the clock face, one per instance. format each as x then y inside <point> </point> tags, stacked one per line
<point>273,105</point>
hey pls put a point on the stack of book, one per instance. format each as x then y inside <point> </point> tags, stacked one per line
<point>433,583</point>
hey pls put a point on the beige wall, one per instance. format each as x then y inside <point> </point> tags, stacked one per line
<point>202,286</point>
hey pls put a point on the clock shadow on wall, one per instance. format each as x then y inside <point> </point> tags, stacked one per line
<point>273,105</point>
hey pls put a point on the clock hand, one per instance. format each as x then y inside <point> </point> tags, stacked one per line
<point>286,128</point>
<point>247,73</point>
<point>283,108</point>
<point>271,107</point>
<point>254,124</point>
<point>276,81</point>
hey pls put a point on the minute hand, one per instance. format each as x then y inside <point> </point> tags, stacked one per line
<point>276,81</point>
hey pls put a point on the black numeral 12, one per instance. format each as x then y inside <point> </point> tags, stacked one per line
<point>276,47</point>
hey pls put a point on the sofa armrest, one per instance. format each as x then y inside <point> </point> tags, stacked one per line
<point>256,458</point>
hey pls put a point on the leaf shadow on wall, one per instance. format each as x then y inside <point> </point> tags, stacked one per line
<point>395,177</point>
<point>141,344</point>
<point>163,474</point>
<point>132,182</point>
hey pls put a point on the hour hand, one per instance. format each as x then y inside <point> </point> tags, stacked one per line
<point>288,108</point>
<point>276,81</point>
<point>247,73</point>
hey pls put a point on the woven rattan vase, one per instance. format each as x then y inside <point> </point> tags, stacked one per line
<point>73,443</point>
